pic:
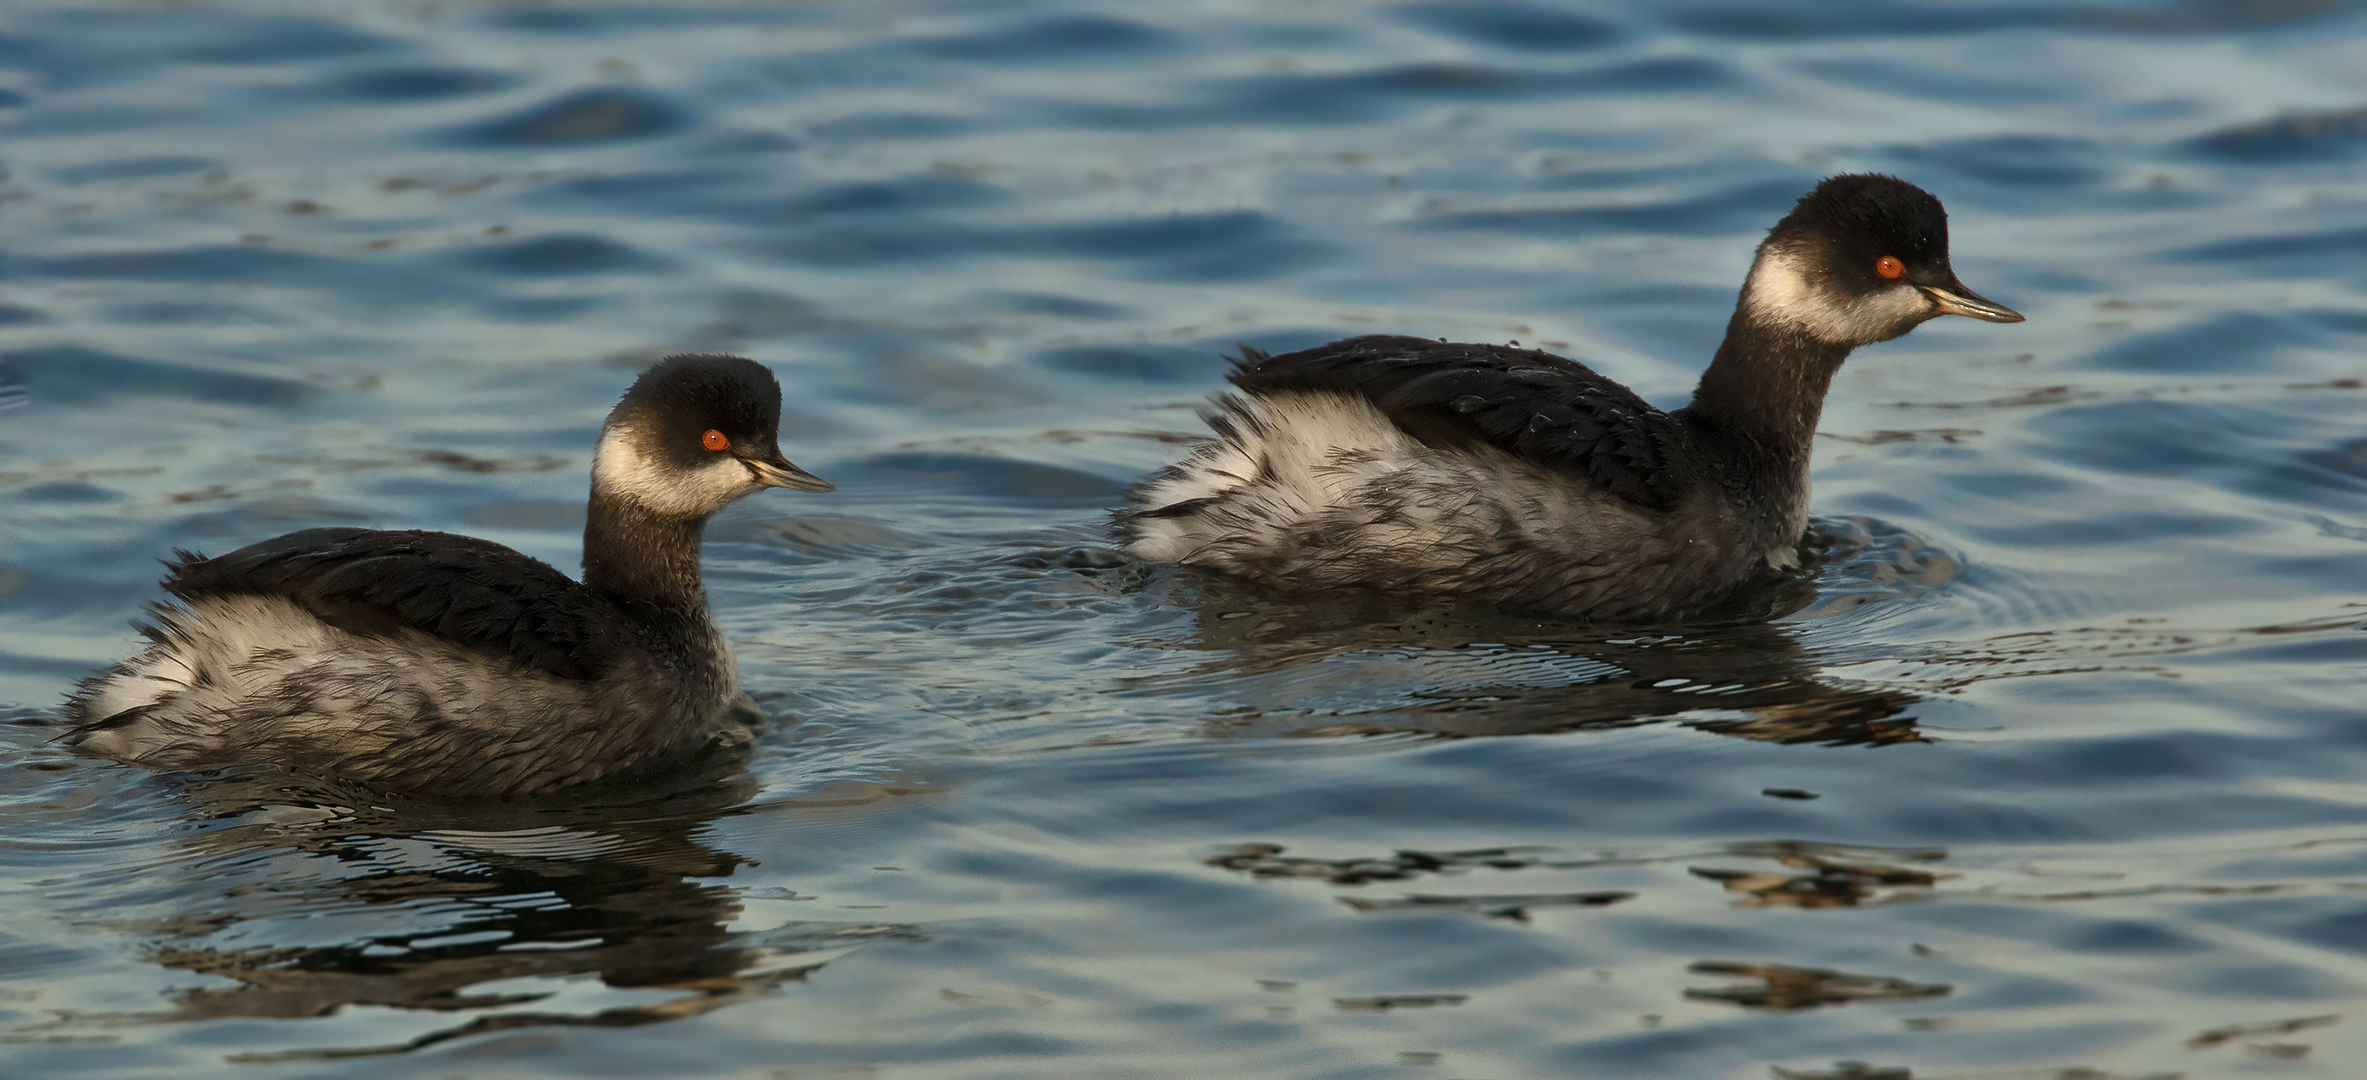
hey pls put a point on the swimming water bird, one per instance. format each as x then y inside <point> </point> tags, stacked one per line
<point>1527,480</point>
<point>456,666</point>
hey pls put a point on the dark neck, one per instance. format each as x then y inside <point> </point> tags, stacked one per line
<point>637,556</point>
<point>1765,389</point>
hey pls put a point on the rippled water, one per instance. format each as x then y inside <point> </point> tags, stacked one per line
<point>2054,769</point>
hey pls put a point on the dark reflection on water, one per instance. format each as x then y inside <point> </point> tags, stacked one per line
<point>1365,664</point>
<point>1750,681</point>
<point>1813,875</point>
<point>483,913</point>
<point>1780,987</point>
<point>1823,875</point>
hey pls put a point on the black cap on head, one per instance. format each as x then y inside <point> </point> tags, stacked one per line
<point>693,392</point>
<point>1866,216</point>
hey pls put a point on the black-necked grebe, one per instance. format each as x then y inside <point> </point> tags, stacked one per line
<point>456,666</point>
<point>1525,479</point>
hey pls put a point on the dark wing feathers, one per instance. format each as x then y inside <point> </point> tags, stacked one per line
<point>473,592</point>
<point>1544,408</point>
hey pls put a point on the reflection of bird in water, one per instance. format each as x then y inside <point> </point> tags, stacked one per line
<point>1358,662</point>
<point>438,899</point>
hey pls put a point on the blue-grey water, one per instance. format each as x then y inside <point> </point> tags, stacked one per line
<point>2056,768</point>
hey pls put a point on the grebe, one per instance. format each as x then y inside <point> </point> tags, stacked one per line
<point>451,665</point>
<point>1527,480</point>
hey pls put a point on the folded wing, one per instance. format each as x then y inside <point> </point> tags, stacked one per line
<point>1545,408</point>
<point>457,588</point>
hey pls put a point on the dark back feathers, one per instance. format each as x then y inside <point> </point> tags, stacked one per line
<point>1545,408</point>
<point>472,592</point>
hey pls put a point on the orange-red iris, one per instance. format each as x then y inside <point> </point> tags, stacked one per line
<point>714,440</point>
<point>1890,267</point>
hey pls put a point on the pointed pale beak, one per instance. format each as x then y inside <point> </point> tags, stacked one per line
<point>781,473</point>
<point>1955,299</point>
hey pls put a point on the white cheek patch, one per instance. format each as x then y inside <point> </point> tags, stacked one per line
<point>620,468</point>
<point>1784,289</point>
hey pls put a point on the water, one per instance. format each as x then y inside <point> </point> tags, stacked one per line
<point>2054,766</point>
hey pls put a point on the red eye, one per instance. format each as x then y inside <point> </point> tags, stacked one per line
<point>1889,267</point>
<point>714,440</point>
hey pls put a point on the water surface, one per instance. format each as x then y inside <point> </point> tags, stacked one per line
<point>2052,769</point>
